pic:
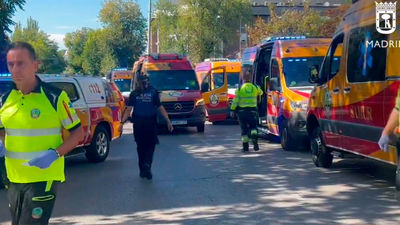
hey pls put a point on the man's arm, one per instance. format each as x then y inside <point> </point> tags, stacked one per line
<point>71,142</point>
<point>127,113</point>
<point>164,113</point>
<point>2,135</point>
<point>392,123</point>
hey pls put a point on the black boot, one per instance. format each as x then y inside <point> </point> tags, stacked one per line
<point>255,143</point>
<point>245,147</point>
<point>147,171</point>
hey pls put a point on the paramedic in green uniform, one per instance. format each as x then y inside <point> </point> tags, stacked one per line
<point>32,116</point>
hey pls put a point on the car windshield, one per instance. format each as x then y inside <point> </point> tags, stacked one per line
<point>5,86</point>
<point>233,80</point>
<point>296,70</point>
<point>173,80</point>
<point>124,85</point>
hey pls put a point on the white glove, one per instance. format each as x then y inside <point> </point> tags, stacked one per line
<point>384,142</point>
<point>2,149</point>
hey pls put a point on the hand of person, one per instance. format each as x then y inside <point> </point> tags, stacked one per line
<point>232,114</point>
<point>2,149</point>
<point>170,126</point>
<point>44,160</point>
<point>384,142</point>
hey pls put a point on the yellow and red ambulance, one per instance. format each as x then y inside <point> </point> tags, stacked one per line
<point>122,78</point>
<point>173,75</point>
<point>99,106</point>
<point>354,96</point>
<point>281,69</point>
<point>218,105</point>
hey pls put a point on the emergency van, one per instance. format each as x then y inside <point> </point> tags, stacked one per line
<point>98,104</point>
<point>122,78</point>
<point>281,68</point>
<point>174,77</point>
<point>353,99</point>
<point>220,111</point>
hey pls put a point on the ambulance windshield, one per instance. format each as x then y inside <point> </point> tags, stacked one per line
<point>123,85</point>
<point>164,80</point>
<point>233,80</point>
<point>296,70</point>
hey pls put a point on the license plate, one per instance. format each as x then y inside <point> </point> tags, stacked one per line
<point>179,122</point>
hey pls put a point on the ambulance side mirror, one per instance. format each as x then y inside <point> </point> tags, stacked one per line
<point>205,87</point>
<point>314,71</point>
<point>274,84</point>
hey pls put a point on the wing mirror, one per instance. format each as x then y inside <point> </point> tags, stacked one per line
<point>314,72</point>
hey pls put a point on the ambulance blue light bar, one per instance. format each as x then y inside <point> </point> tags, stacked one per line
<point>120,69</point>
<point>284,38</point>
<point>5,74</point>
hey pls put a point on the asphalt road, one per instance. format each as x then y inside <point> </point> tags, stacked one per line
<point>205,179</point>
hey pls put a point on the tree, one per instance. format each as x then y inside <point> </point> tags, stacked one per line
<point>51,61</point>
<point>166,24</point>
<point>7,10</point>
<point>126,30</point>
<point>75,43</point>
<point>335,17</point>
<point>200,27</point>
<point>97,58</point>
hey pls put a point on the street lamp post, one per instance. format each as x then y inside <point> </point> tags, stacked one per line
<point>149,30</point>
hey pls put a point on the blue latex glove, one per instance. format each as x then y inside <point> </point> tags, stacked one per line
<point>2,149</point>
<point>384,143</point>
<point>44,160</point>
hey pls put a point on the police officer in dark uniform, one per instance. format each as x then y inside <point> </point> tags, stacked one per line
<point>143,106</point>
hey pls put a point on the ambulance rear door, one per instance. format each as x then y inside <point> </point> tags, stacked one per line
<point>214,88</point>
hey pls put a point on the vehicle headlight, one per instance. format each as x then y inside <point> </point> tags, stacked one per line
<point>200,102</point>
<point>299,105</point>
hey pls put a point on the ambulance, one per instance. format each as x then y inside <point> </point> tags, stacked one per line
<point>174,77</point>
<point>353,98</point>
<point>122,78</point>
<point>281,68</point>
<point>220,112</point>
<point>98,105</point>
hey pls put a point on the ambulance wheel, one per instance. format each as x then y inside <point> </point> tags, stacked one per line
<point>98,150</point>
<point>200,128</point>
<point>286,140</point>
<point>319,153</point>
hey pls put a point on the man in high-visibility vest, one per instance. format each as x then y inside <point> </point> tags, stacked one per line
<point>245,104</point>
<point>32,116</point>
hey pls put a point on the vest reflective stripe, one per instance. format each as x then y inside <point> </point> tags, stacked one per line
<point>33,132</point>
<point>67,122</point>
<point>23,155</point>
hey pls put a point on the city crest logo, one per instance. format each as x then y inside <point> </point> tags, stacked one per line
<point>386,17</point>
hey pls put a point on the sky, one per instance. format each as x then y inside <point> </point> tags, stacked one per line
<point>58,17</point>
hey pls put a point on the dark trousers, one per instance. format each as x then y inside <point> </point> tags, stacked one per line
<point>145,154</point>
<point>145,132</point>
<point>248,124</point>
<point>32,203</point>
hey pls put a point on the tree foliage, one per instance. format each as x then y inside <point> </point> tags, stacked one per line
<point>126,28</point>
<point>7,10</point>
<point>51,60</point>
<point>307,22</point>
<point>199,27</point>
<point>75,43</point>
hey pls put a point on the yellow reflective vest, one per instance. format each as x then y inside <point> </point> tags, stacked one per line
<point>33,124</point>
<point>246,96</point>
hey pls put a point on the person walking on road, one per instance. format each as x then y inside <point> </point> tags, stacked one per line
<point>245,105</point>
<point>32,116</point>
<point>143,106</point>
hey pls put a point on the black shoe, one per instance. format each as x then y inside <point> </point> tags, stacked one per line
<point>256,148</point>
<point>149,176</point>
<point>245,147</point>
